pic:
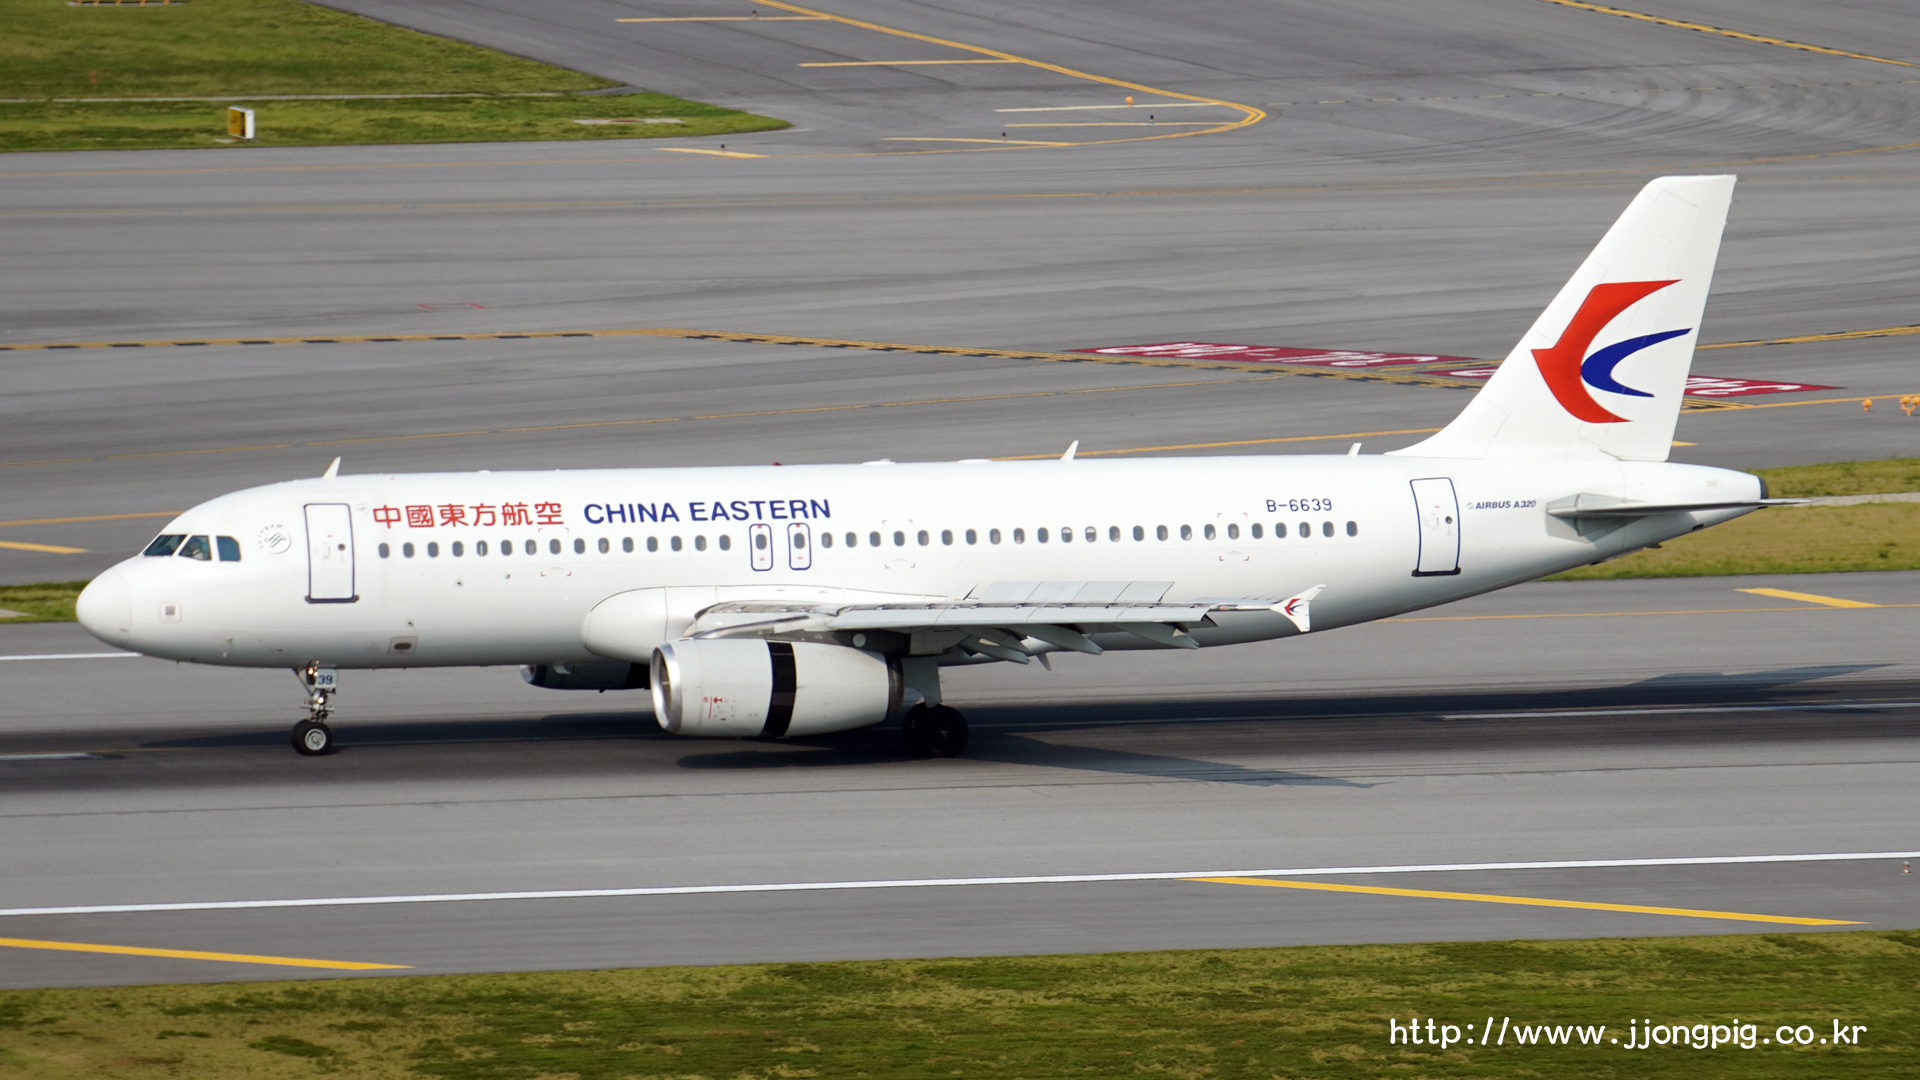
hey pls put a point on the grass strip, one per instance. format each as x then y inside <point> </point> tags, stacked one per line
<point>1306,1012</point>
<point>1843,478</point>
<point>148,125</point>
<point>50,602</point>
<point>260,47</point>
<point>1792,540</point>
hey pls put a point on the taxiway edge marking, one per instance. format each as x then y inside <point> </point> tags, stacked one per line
<point>195,954</point>
<point>1527,901</point>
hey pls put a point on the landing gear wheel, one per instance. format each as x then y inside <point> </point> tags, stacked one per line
<point>311,738</point>
<point>935,731</point>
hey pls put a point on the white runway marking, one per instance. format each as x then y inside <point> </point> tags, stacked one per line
<point>920,883</point>
<point>1687,710</point>
<point>1150,105</point>
<point>70,656</point>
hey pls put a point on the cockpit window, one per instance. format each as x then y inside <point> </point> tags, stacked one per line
<point>164,545</point>
<point>229,548</point>
<point>196,547</point>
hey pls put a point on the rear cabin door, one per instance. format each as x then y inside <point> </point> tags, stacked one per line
<point>799,546</point>
<point>1439,517</point>
<point>330,554</point>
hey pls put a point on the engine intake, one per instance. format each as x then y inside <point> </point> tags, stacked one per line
<point>586,676</point>
<point>746,687</point>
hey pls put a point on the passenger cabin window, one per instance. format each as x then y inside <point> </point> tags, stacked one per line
<point>1326,528</point>
<point>230,548</point>
<point>946,537</point>
<point>853,540</point>
<point>1141,534</point>
<point>1019,536</point>
<point>1256,531</point>
<point>605,546</point>
<point>1279,530</point>
<point>1233,532</point>
<point>1353,528</point>
<point>626,544</point>
<point>197,547</point>
<point>1160,532</point>
<point>993,536</point>
<point>726,542</point>
<point>533,547</point>
<point>385,551</point>
<point>165,545</point>
<point>699,543</point>
<point>459,549</point>
<point>1306,529</point>
<point>653,543</point>
<point>1207,532</point>
<point>899,539</point>
<point>407,550</point>
<point>674,543</point>
<point>1186,532</point>
<point>873,539</point>
<point>1094,534</point>
<point>826,539</point>
<point>479,547</point>
<point>972,537</point>
<point>1040,535</point>
<point>1113,534</point>
<point>433,550</point>
<point>580,546</point>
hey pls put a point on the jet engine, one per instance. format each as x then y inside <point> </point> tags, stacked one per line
<point>586,676</point>
<point>748,687</point>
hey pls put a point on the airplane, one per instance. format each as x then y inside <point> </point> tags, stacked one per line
<point>769,602</point>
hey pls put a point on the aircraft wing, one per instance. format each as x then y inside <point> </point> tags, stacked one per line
<point>1004,631</point>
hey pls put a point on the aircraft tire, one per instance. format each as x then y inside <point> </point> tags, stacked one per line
<point>935,731</point>
<point>312,739</point>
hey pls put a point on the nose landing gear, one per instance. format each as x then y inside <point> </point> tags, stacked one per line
<point>312,737</point>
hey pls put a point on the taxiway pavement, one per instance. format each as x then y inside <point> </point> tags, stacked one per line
<point>1438,218</point>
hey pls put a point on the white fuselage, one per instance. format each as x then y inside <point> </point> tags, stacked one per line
<point>447,569</point>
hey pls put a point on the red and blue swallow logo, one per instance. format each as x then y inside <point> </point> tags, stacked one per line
<point>1295,606</point>
<point>1568,368</point>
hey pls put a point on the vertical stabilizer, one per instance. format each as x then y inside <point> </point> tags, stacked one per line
<point>1601,373</point>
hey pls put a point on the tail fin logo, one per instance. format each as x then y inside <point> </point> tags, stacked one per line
<point>1569,370</point>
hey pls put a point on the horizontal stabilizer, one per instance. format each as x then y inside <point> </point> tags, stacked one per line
<point>1589,506</point>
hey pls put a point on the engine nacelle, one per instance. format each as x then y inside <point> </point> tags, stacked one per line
<point>747,687</point>
<point>586,676</point>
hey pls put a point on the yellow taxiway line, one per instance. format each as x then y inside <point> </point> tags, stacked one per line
<point>1738,35</point>
<point>709,153</point>
<point>47,548</point>
<point>90,517</point>
<point>1530,901</point>
<point>730,18</point>
<point>1249,114</point>
<point>1636,614</point>
<point>1843,335</point>
<point>1811,598</point>
<point>195,954</point>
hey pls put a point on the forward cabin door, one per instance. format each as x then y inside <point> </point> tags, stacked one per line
<point>330,554</point>
<point>1439,516</point>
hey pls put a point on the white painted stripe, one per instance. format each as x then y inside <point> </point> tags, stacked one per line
<point>1687,710</point>
<point>70,656</point>
<point>1148,105</point>
<point>921,883</point>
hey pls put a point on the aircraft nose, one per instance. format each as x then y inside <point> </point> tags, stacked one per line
<point>105,607</point>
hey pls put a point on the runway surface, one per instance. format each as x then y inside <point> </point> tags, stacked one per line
<point>1455,737</point>
<point>1437,171</point>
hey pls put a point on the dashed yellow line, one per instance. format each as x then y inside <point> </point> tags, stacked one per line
<point>49,549</point>
<point>1235,442</point>
<point>729,18</point>
<point>1530,901</point>
<point>1738,35</point>
<point>195,954</point>
<point>91,517</point>
<point>1843,335</point>
<point>1811,598</point>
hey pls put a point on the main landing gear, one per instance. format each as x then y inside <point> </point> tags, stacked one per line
<point>312,737</point>
<point>934,730</point>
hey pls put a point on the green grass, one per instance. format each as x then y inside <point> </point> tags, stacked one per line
<point>1843,478</point>
<point>237,48</point>
<point>1794,540</point>
<point>51,602</point>
<point>1257,1013</point>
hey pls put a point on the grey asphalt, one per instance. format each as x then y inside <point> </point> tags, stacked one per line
<point>1437,222</point>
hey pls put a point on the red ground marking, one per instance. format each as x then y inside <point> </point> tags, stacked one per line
<point>1265,354</point>
<point>1697,385</point>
